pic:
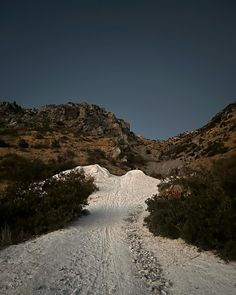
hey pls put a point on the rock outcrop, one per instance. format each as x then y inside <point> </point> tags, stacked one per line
<point>78,118</point>
<point>90,134</point>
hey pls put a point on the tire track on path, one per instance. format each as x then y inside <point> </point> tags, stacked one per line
<point>92,256</point>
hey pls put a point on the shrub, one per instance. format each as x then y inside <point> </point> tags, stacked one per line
<point>39,135</point>
<point>64,138</point>
<point>96,156</point>
<point>41,146</point>
<point>157,175</point>
<point>55,144</point>
<point>43,129</point>
<point>69,154</point>
<point>135,159</point>
<point>200,208</point>
<point>9,131</point>
<point>36,209</point>
<point>214,148</point>
<point>3,143</point>
<point>232,128</point>
<point>26,170</point>
<point>22,143</point>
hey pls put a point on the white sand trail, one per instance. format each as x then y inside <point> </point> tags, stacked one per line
<point>91,256</point>
<point>94,255</point>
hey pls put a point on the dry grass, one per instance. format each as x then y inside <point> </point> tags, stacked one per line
<point>71,147</point>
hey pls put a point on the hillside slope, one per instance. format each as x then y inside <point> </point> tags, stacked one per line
<point>87,134</point>
<point>83,133</point>
<point>215,140</point>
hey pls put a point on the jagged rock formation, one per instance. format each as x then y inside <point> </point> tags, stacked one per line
<point>215,140</point>
<point>78,118</point>
<point>216,137</point>
<point>89,134</point>
<point>84,133</point>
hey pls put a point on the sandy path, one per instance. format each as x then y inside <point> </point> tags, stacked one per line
<point>90,257</point>
<point>110,252</point>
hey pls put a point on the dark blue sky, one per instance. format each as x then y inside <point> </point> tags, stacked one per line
<point>165,66</point>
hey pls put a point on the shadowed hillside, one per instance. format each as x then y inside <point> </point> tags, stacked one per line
<point>87,134</point>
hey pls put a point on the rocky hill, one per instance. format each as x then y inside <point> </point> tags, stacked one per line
<point>82,119</point>
<point>88,134</point>
<point>217,139</point>
<point>83,133</point>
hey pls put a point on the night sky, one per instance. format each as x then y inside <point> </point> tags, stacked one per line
<point>165,66</point>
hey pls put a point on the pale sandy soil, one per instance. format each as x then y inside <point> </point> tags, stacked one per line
<point>190,271</point>
<point>110,252</point>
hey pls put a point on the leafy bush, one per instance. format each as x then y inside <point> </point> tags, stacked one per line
<point>28,210</point>
<point>200,208</point>
<point>19,202</point>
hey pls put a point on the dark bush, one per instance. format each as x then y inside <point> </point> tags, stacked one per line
<point>64,138</point>
<point>9,131</point>
<point>96,156</point>
<point>135,159</point>
<point>37,209</point>
<point>55,144</point>
<point>157,175</point>
<point>43,129</point>
<point>200,208</point>
<point>232,128</point>
<point>3,143</point>
<point>39,135</point>
<point>60,124</point>
<point>22,143</point>
<point>26,170</point>
<point>69,154</point>
<point>214,148</point>
<point>41,146</point>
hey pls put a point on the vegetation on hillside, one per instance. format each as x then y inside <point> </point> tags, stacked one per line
<point>29,207</point>
<point>15,168</point>
<point>199,207</point>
